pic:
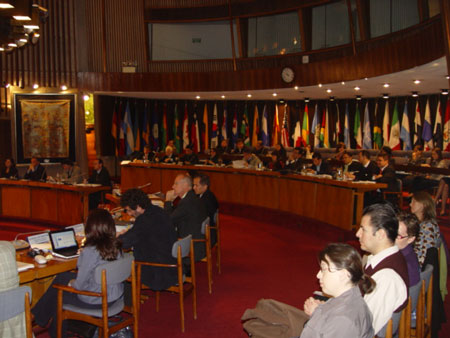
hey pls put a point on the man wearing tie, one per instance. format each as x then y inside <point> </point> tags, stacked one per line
<point>71,173</point>
<point>100,175</point>
<point>35,171</point>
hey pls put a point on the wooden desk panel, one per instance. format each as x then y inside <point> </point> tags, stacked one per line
<point>337,203</point>
<point>71,207</point>
<point>44,204</point>
<point>16,201</point>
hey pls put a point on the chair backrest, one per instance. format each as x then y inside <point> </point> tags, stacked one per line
<point>395,323</point>
<point>116,271</point>
<point>204,224</point>
<point>414,292</point>
<point>185,244</point>
<point>13,302</point>
<point>399,185</point>
<point>216,217</point>
<point>426,275</point>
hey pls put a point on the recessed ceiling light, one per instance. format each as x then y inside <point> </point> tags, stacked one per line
<point>7,85</point>
<point>31,27</point>
<point>416,81</point>
<point>2,49</point>
<point>331,98</point>
<point>366,78</point>
<point>385,96</point>
<point>306,99</point>
<point>249,95</point>
<point>358,97</point>
<point>23,40</point>
<point>223,96</point>
<point>386,85</point>
<point>198,97</point>
<point>63,87</point>
<point>356,88</point>
<point>12,44</point>
<point>22,18</point>
<point>415,94</point>
<point>444,91</point>
<point>447,77</point>
<point>35,86</point>
<point>86,97</point>
<point>274,94</point>
<point>329,90</point>
<point>5,5</point>
<point>342,83</point>
<point>296,87</point>
<point>320,85</point>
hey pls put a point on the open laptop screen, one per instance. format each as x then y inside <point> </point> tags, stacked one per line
<point>63,239</point>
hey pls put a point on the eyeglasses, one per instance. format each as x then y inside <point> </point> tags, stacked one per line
<point>402,237</point>
<point>325,267</point>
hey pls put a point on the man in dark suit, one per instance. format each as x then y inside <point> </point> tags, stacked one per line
<point>35,171</point>
<point>189,157</point>
<point>350,166</point>
<point>369,168</point>
<point>387,175</point>
<point>188,215</point>
<point>100,175</point>
<point>201,188</point>
<point>151,237</point>
<point>148,155</point>
<point>296,159</point>
<point>319,166</point>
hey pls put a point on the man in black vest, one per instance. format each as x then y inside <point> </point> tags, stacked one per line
<point>385,264</point>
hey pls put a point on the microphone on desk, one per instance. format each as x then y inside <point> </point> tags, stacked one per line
<point>20,243</point>
<point>144,185</point>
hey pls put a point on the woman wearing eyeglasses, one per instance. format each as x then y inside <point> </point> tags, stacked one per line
<point>345,314</point>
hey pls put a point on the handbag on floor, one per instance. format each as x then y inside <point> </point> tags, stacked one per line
<point>271,318</point>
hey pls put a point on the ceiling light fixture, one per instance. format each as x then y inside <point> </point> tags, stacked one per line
<point>31,27</point>
<point>306,99</point>
<point>63,87</point>
<point>11,44</point>
<point>296,87</point>
<point>198,97</point>
<point>223,96</point>
<point>342,83</point>
<point>249,95</point>
<point>356,88</point>
<point>35,86</point>
<point>21,18</point>
<point>358,97</point>
<point>274,94</point>
<point>5,5</point>
<point>329,90</point>
<point>7,85</point>
<point>416,81</point>
<point>331,98</point>
<point>415,94</point>
<point>320,85</point>
<point>386,85</point>
<point>385,96</point>
<point>86,97</point>
<point>444,91</point>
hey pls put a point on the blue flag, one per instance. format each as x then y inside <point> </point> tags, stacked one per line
<point>367,138</point>
<point>346,128</point>
<point>404,129</point>
<point>264,127</point>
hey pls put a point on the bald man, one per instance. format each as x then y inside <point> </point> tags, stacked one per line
<point>189,213</point>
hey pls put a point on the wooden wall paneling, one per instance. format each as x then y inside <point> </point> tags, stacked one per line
<point>58,42</point>
<point>292,196</point>
<point>133,177</point>
<point>69,207</point>
<point>168,177</point>
<point>445,17</point>
<point>43,204</point>
<point>328,210</point>
<point>15,202</point>
<point>362,7</point>
<point>227,187</point>
<point>352,26</point>
<point>259,190</point>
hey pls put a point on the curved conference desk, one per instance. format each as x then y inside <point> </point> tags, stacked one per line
<point>56,203</point>
<point>338,203</point>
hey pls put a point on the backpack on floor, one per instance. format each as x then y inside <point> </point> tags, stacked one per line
<point>271,318</point>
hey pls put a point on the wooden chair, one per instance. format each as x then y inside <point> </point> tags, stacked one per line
<point>112,272</point>
<point>425,304</point>
<point>181,248</point>
<point>409,324</point>
<point>14,302</point>
<point>217,246</point>
<point>392,326</point>
<point>398,193</point>
<point>206,231</point>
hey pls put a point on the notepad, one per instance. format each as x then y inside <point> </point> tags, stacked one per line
<point>22,266</point>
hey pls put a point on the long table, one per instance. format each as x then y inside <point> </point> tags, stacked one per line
<point>56,203</point>
<point>339,203</point>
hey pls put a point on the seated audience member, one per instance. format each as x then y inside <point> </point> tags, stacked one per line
<point>71,173</point>
<point>171,143</point>
<point>169,156</point>
<point>260,150</point>
<point>340,150</point>
<point>36,171</point>
<point>417,157</point>
<point>10,170</point>
<point>408,231</point>
<point>296,159</point>
<point>309,151</point>
<point>189,157</point>
<point>385,264</point>
<point>387,176</point>
<point>420,182</point>
<point>319,166</point>
<point>188,215</point>
<point>201,188</point>
<point>151,237</point>
<point>148,155</point>
<point>250,159</point>
<point>368,168</point>
<point>224,147</point>
<point>214,157</point>
<point>239,149</point>
<point>282,154</point>
<point>422,205</point>
<point>101,246</point>
<point>351,166</point>
<point>100,175</point>
<point>276,164</point>
<point>346,314</point>
<point>9,279</point>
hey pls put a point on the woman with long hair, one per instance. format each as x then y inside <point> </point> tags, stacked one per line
<point>346,314</point>
<point>101,246</point>
<point>422,205</point>
<point>10,170</point>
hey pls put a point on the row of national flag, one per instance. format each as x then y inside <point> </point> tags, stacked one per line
<point>134,127</point>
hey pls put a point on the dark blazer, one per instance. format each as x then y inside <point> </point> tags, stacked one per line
<point>324,168</point>
<point>297,165</point>
<point>389,178</point>
<point>102,177</point>
<point>187,217</point>
<point>13,173</point>
<point>366,174</point>
<point>38,174</point>
<point>171,159</point>
<point>238,151</point>
<point>152,238</point>
<point>261,151</point>
<point>355,166</point>
<point>192,159</point>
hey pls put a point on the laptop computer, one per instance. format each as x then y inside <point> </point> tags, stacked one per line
<point>64,243</point>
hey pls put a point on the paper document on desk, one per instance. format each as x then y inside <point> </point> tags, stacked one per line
<point>239,164</point>
<point>78,228</point>
<point>121,225</point>
<point>21,266</point>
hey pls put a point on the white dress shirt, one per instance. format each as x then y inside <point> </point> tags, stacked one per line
<point>390,291</point>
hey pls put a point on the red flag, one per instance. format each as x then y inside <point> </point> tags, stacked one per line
<point>276,127</point>
<point>446,129</point>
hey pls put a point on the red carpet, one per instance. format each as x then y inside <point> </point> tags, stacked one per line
<point>260,260</point>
